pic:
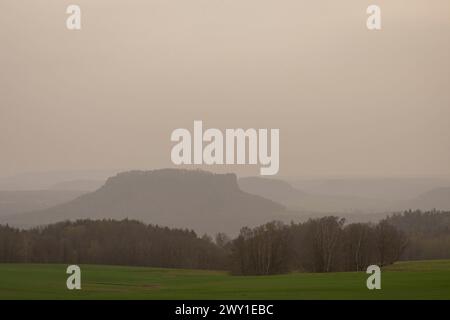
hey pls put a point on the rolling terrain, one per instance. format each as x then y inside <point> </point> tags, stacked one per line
<point>438,199</point>
<point>15,202</point>
<point>352,196</point>
<point>306,201</point>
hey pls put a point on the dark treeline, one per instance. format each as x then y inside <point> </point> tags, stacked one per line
<point>125,242</point>
<point>317,245</point>
<point>428,234</point>
<point>328,244</point>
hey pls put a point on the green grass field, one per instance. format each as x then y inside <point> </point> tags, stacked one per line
<point>403,280</point>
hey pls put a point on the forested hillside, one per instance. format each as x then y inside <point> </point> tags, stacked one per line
<point>428,234</point>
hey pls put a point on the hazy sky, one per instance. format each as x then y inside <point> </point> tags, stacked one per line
<point>346,100</point>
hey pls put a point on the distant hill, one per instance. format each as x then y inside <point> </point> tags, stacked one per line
<point>85,185</point>
<point>199,200</point>
<point>438,199</point>
<point>13,202</point>
<point>46,180</point>
<point>283,192</point>
<point>273,189</point>
<point>388,189</point>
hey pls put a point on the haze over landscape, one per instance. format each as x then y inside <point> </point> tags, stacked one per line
<point>347,128</point>
<point>364,117</point>
<point>348,102</point>
<point>212,203</point>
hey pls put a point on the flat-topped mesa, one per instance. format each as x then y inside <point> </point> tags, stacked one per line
<point>173,179</point>
<point>194,199</point>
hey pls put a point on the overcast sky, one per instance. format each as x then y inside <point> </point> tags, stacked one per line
<point>347,101</point>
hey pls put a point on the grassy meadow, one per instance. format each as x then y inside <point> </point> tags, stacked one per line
<point>403,280</point>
